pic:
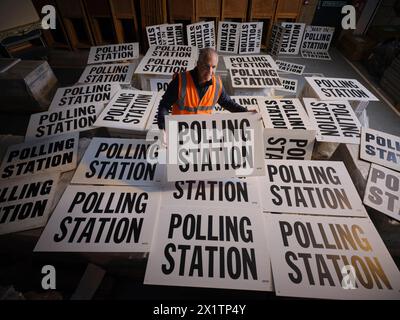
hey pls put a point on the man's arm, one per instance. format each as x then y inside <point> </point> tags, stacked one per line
<point>169,98</point>
<point>227,103</point>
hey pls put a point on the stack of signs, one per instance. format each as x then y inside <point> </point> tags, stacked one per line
<point>330,257</point>
<point>339,89</point>
<point>201,35</point>
<point>113,53</point>
<point>258,71</point>
<point>214,147</point>
<point>63,120</point>
<point>167,60</point>
<point>120,162</point>
<point>165,34</point>
<point>102,219</point>
<point>316,42</point>
<point>249,102</point>
<point>209,247</point>
<point>381,148</point>
<point>275,42</point>
<point>106,73</point>
<point>290,67</point>
<point>250,37</point>
<point>335,121</point>
<point>25,203</point>
<point>383,190</point>
<point>284,114</point>
<point>291,37</point>
<point>57,153</point>
<point>309,187</point>
<point>83,94</point>
<point>228,37</point>
<point>127,112</point>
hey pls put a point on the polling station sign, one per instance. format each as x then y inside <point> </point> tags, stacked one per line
<point>254,61</point>
<point>289,85</point>
<point>243,77</point>
<point>110,161</point>
<point>106,73</point>
<point>213,193</point>
<point>309,187</point>
<point>318,55</point>
<point>340,89</point>
<point>288,144</point>
<point>291,37</point>
<point>228,37</point>
<point>113,53</point>
<point>250,37</point>
<point>62,121</point>
<point>101,219</point>
<point>165,34</point>
<point>275,42</point>
<point>330,258</point>
<point>251,103</point>
<point>84,94</point>
<point>129,110</point>
<point>209,247</point>
<point>383,190</point>
<point>381,148</point>
<point>159,84</point>
<point>201,35</point>
<point>335,121</point>
<point>284,114</point>
<point>25,203</point>
<point>57,153</point>
<point>290,67</point>
<point>317,38</point>
<point>167,60</point>
<point>152,121</point>
<point>214,146</point>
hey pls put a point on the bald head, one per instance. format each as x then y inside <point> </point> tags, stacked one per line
<point>207,64</point>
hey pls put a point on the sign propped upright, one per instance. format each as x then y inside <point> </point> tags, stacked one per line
<point>250,37</point>
<point>292,36</point>
<point>228,37</point>
<point>201,35</point>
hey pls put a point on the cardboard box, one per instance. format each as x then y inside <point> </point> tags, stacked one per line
<point>27,87</point>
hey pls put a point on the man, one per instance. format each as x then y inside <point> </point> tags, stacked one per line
<point>196,91</point>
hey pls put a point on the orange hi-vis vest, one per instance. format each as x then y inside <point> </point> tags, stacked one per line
<point>188,99</point>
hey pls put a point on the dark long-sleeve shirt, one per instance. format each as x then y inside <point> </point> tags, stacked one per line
<point>171,96</point>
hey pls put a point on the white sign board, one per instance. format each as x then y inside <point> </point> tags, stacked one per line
<point>288,144</point>
<point>152,122</point>
<point>381,148</point>
<point>119,162</point>
<point>330,258</point>
<point>209,247</point>
<point>115,52</point>
<point>165,34</point>
<point>101,219</point>
<point>335,121</point>
<point>289,85</point>
<point>284,114</point>
<point>250,37</point>
<point>255,78</point>
<point>62,121</point>
<point>255,62</point>
<point>159,84</point>
<point>44,155</point>
<point>84,94</point>
<point>317,38</point>
<point>105,73</point>
<point>292,36</point>
<point>340,89</point>
<point>201,35</point>
<point>25,203</point>
<point>383,191</point>
<point>167,60</point>
<point>318,55</point>
<point>228,37</point>
<point>249,102</point>
<point>275,42</point>
<point>310,187</point>
<point>290,67</point>
<point>128,110</point>
<point>213,193</point>
<point>214,146</point>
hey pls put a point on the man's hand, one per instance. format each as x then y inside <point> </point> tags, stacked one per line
<point>256,112</point>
